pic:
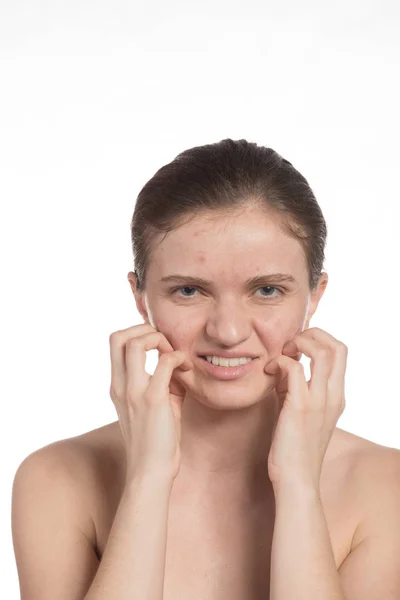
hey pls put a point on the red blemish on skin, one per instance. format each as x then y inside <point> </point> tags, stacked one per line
<point>161,326</point>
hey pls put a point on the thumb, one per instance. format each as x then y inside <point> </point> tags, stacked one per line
<point>176,403</point>
<point>176,388</point>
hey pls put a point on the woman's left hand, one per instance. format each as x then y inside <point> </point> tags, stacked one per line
<point>309,410</point>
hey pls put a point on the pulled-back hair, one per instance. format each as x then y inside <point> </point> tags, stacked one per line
<point>224,178</point>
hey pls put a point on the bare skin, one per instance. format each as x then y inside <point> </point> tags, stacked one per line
<point>222,506</point>
<point>219,541</point>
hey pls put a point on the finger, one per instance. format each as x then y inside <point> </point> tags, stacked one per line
<point>316,333</point>
<point>137,379</point>
<point>339,353</point>
<point>158,388</point>
<point>336,383</point>
<point>118,340</point>
<point>118,343</point>
<point>284,366</point>
<point>320,368</point>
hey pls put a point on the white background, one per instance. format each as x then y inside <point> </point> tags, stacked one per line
<point>95,97</point>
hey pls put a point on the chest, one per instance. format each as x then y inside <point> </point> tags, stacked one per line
<point>227,557</point>
<point>221,556</point>
<point>224,554</point>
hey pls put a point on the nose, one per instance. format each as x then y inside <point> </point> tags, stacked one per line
<point>229,324</point>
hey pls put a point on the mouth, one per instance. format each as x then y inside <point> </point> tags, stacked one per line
<point>252,358</point>
<point>226,372</point>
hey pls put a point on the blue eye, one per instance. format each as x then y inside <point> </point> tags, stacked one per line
<point>270,287</point>
<point>188,287</point>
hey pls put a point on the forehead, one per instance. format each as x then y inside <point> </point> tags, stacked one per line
<point>240,244</point>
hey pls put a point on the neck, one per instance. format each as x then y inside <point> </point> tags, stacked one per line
<point>226,446</point>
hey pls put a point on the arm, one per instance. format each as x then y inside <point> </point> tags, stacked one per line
<point>52,530</point>
<point>302,560</point>
<point>133,563</point>
<point>54,537</point>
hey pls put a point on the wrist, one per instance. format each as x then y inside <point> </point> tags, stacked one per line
<point>295,488</point>
<point>154,481</point>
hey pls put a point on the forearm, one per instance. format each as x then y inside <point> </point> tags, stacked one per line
<point>302,559</point>
<point>133,563</point>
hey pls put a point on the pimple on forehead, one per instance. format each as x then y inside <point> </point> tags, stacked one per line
<point>198,232</point>
<point>200,257</point>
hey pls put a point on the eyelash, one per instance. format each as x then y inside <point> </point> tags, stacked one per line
<point>173,291</point>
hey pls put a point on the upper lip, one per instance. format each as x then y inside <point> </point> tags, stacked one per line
<point>227,354</point>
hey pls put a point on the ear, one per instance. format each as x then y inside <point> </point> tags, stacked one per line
<point>139,298</point>
<point>315,297</point>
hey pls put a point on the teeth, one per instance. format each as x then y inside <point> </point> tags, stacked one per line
<point>228,362</point>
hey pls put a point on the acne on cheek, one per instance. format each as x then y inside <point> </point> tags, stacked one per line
<point>159,325</point>
<point>173,332</point>
<point>274,335</point>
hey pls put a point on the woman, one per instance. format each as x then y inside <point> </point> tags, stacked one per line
<point>225,475</point>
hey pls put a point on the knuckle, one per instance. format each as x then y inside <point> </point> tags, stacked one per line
<point>115,394</point>
<point>324,354</point>
<point>140,341</point>
<point>133,343</point>
<point>168,357</point>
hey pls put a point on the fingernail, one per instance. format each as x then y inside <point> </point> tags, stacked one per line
<point>290,347</point>
<point>271,366</point>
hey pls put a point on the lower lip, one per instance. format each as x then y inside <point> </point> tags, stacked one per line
<point>228,372</point>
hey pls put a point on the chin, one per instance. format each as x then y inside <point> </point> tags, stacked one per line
<point>232,400</point>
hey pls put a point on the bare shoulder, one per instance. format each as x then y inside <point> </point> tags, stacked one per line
<point>100,455</point>
<point>368,462</point>
<point>89,454</point>
<point>359,447</point>
<point>374,479</point>
<point>55,494</point>
<point>93,465</point>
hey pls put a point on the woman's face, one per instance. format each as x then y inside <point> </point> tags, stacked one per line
<point>227,313</point>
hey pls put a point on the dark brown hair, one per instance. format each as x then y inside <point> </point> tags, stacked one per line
<point>223,178</point>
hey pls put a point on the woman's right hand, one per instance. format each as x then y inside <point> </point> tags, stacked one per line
<point>148,406</point>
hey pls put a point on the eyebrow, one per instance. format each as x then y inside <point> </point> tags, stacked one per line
<point>275,277</point>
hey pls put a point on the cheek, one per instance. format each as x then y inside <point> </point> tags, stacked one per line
<point>276,331</point>
<point>177,332</point>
